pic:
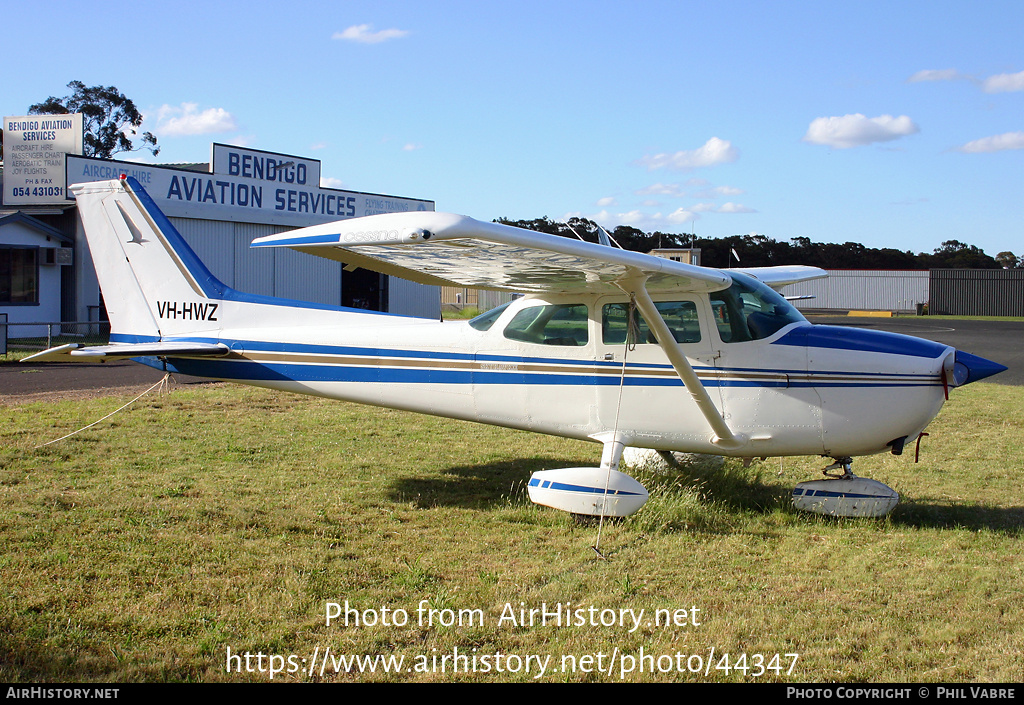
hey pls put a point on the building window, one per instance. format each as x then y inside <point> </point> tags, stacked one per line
<point>19,275</point>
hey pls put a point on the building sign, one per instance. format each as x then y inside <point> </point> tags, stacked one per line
<point>254,198</point>
<point>265,166</point>
<point>35,148</point>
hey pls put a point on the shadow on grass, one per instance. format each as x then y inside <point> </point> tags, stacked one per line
<point>481,486</point>
<point>475,486</point>
<point>728,484</point>
<point>26,656</point>
<point>727,487</point>
<point>943,515</point>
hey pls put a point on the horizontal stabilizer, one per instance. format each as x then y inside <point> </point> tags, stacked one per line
<point>783,275</point>
<point>76,352</point>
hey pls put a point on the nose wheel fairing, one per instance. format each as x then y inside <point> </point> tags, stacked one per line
<point>843,494</point>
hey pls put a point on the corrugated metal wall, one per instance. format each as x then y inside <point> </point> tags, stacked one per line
<point>492,299</point>
<point>864,289</point>
<point>254,269</point>
<point>408,298</point>
<point>977,292</point>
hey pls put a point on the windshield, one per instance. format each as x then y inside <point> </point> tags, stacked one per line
<point>750,310</point>
<point>486,319</point>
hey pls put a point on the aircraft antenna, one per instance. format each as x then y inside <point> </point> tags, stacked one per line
<point>606,237</point>
<point>603,237</point>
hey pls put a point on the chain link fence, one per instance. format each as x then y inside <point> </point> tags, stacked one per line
<point>19,340</point>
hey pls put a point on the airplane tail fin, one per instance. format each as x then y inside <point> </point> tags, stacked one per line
<point>153,284</point>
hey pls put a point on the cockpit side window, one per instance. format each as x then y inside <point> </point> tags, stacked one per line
<point>552,324</point>
<point>749,310</point>
<point>681,317</point>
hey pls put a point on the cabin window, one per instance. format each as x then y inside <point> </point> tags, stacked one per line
<point>486,319</point>
<point>749,310</point>
<point>554,324</point>
<point>19,275</point>
<point>681,317</point>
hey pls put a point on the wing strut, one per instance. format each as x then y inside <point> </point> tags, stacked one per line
<point>725,437</point>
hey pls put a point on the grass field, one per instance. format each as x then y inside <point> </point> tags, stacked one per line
<point>222,522</point>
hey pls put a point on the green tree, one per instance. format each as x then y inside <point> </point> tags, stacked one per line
<point>954,254</point>
<point>763,251</point>
<point>111,119</point>
<point>1008,260</point>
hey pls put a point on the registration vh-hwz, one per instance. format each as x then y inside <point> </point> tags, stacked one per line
<point>607,345</point>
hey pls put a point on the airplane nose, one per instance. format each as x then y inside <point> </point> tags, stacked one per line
<point>969,368</point>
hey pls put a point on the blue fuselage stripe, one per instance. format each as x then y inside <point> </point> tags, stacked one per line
<point>565,487</point>
<point>799,492</point>
<point>383,374</point>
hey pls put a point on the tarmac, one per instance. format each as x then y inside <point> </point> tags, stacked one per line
<point>999,341</point>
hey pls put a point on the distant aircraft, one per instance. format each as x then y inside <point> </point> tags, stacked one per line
<point>607,345</point>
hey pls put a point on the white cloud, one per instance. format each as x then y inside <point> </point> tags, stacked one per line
<point>635,218</point>
<point>411,147</point>
<point>331,182</point>
<point>857,130</point>
<point>718,191</point>
<point>996,143</point>
<point>1000,83</point>
<point>606,201</point>
<point>936,75</point>
<point>729,207</point>
<point>660,189</point>
<point>735,208</point>
<point>680,218</point>
<point>681,215</point>
<point>714,151</point>
<point>364,34</point>
<point>186,119</point>
<point>1004,83</point>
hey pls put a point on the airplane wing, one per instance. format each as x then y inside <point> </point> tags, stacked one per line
<point>76,352</point>
<point>455,250</point>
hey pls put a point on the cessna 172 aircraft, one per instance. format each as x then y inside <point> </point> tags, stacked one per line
<point>608,345</point>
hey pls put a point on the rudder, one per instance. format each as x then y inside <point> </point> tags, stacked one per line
<point>153,284</point>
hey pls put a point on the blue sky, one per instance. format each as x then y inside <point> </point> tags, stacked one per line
<point>894,124</point>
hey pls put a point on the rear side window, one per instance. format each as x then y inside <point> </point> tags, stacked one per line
<point>553,324</point>
<point>681,317</point>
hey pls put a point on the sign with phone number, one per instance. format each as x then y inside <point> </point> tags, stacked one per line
<point>35,152</point>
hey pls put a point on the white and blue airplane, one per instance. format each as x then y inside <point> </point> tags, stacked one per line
<point>607,345</point>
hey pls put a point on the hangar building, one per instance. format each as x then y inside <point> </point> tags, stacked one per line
<point>46,273</point>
